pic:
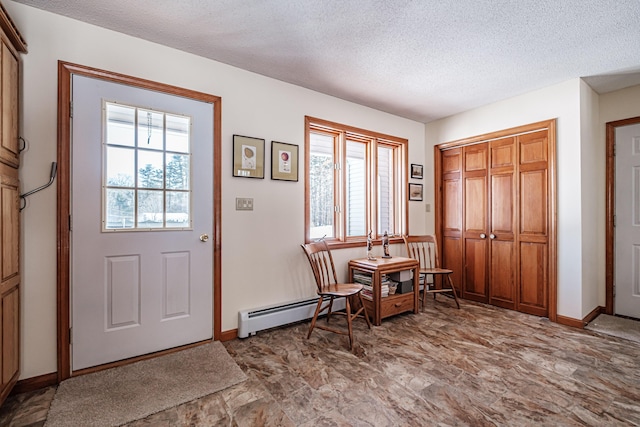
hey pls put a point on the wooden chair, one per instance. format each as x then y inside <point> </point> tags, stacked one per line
<point>425,250</point>
<point>324,272</point>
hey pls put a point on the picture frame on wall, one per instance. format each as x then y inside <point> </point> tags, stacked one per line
<point>415,192</point>
<point>284,161</point>
<point>416,171</point>
<point>248,157</point>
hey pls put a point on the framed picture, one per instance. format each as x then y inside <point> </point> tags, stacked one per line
<point>248,157</point>
<point>284,161</point>
<point>416,171</point>
<point>415,191</point>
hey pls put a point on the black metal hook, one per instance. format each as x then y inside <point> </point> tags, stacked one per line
<point>52,176</point>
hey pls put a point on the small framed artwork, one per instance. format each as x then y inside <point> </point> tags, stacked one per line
<point>284,161</point>
<point>415,191</point>
<point>416,171</point>
<point>248,156</point>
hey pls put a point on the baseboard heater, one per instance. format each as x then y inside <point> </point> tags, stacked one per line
<point>252,321</point>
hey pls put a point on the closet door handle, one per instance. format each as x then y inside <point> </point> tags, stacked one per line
<point>483,236</point>
<point>492,236</point>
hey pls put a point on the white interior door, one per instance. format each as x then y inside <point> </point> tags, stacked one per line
<point>627,229</point>
<point>141,204</point>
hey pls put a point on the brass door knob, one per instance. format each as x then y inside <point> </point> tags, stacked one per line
<point>204,237</point>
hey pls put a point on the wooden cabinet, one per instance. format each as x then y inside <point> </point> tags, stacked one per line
<point>378,307</point>
<point>11,44</point>
<point>494,221</point>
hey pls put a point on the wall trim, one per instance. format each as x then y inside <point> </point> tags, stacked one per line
<point>610,256</point>
<point>570,321</point>
<point>594,313</point>
<point>35,383</point>
<point>229,335</point>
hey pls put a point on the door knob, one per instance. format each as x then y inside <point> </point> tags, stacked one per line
<point>204,237</point>
<point>483,236</point>
<point>492,236</point>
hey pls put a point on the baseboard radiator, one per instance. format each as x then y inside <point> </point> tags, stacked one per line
<point>259,319</point>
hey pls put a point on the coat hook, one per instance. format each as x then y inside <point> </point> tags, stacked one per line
<point>52,176</point>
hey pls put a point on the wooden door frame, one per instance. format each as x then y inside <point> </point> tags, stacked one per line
<point>610,256</point>
<point>65,72</point>
<point>552,210</point>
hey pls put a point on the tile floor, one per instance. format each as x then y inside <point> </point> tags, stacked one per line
<point>477,366</point>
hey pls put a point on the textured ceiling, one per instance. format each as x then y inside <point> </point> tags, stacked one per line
<point>418,59</point>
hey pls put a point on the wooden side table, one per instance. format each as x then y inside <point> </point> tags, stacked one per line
<point>378,307</point>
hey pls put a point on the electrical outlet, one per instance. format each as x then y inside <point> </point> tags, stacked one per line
<point>427,207</point>
<point>244,204</point>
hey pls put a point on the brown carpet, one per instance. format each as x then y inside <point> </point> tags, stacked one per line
<point>128,393</point>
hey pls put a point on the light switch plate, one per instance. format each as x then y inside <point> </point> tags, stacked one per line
<point>244,204</point>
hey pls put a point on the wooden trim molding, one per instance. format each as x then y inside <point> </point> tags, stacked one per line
<point>594,313</point>
<point>610,255</point>
<point>35,383</point>
<point>10,29</point>
<point>570,321</point>
<point>65,72</point>
<point>229,335</point>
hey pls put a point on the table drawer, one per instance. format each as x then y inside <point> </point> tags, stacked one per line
<point>395,304</point>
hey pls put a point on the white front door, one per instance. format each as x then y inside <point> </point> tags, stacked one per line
<point>141,207</point>
<point>627,229</point>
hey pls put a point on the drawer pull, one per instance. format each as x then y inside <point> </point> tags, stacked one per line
<point>398,304</point>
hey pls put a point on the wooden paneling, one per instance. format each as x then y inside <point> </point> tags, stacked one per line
<point>451,254</point>
<point>475,273</point>
<point>533,278</point>
<point>507,250</point>
<point>9,207</point>
<point>9,147</point>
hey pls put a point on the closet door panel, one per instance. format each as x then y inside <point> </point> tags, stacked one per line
<point>451,251</point>
<point>533,279</point>
<point>452,247</point>
<point>502,281</point>
<point>475,283</point>
<point>9,147</point>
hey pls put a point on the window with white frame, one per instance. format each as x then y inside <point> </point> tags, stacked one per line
<point>355,183</point>
<point>147,169</point>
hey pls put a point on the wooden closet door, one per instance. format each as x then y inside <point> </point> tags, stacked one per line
<point>533,223</point>
<point>451,247</point>
<point>475,214</point>
<point>503,265</point>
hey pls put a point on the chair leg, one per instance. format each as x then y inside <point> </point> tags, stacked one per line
<point>453,290</point>
<point>364,310</point>
<point>315,317</point>
<point>330,308</point>
<point>348,307</point>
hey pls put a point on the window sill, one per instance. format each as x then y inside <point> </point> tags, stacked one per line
<point>335,244</point>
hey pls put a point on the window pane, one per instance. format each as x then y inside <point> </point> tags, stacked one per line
<point>321,186</point>
<point>150,209</point>
<point>386,194</point>
<point>119,209</point>
<point>178,133</point>
<point>177,209</point>
<point>120,125</point>
<point>120,167</point>
<point>177,172</point>
<point>356,187</point>
<point>150,169</point>
<point>150,130</point>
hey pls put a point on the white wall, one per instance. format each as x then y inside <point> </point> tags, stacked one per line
<point>261,258</point>
<point>593,161</point>
<point>561,101</point>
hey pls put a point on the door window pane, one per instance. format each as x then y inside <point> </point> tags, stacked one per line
<point>177,209</point>
<point>121,166</point>
<point>150,130</point>
<point>150,169</point>
<point>120,208</point>
<point>321,185</point>
<point>120,129</point>
<point>177,172</point>
<point>178,128</point>
<point>150,209</point>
